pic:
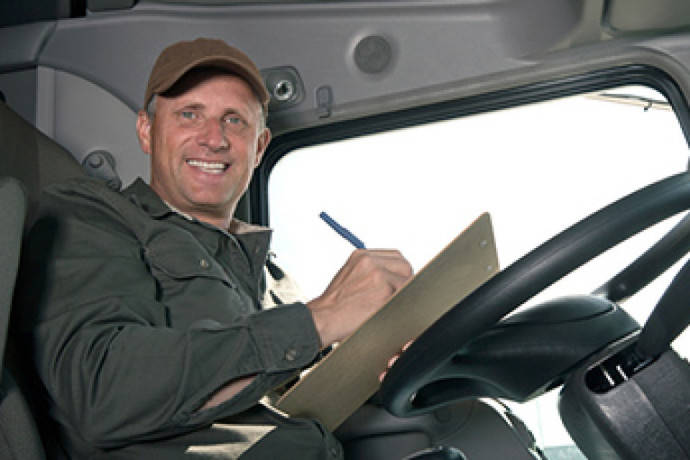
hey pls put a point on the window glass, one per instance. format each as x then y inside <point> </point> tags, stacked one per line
<point>536,169</point>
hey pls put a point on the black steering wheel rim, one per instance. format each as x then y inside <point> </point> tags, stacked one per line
<point>523,279</point>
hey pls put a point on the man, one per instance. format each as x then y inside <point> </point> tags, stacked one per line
<point>147,327</point>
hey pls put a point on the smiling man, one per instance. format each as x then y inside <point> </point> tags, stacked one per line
<point>205,140</point>
<point>145,307</point>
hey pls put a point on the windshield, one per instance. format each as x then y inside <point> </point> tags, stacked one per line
<point>536,169</point>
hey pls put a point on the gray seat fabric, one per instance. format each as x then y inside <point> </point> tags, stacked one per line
<point>36,161</point>
<point>11,226</point>
<point>19,438</point>
<point>32,157</point>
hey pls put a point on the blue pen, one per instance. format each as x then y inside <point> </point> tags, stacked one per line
<point>342,231</point>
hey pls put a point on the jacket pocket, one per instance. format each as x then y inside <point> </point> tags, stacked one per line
<point>180,256</point>
<point>185,264</point>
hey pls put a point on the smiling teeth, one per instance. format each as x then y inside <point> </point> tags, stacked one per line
<point>208,166</point>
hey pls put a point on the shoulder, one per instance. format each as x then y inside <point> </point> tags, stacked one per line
<point>85,203</point>
<point>86,189</point>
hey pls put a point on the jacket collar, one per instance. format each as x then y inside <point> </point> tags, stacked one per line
<point>141,194</point>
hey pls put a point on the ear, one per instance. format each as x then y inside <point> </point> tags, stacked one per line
<point>261,145</point>
<point>144,131</point>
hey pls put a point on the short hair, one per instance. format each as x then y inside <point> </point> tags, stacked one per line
<point>151,107</point>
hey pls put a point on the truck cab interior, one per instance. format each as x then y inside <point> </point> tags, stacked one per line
<point>414,117</point>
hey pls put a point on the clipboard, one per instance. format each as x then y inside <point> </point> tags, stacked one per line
<point>348,376</point>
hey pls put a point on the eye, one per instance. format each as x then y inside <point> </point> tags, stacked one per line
<point>233,120</point>
<point>188,115</point>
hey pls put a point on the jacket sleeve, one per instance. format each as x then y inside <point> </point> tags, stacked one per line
<point>114,370</point>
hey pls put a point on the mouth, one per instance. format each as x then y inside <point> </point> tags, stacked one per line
<point>209,167</point>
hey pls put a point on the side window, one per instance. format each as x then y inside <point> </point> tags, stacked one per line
<point>537,169</point>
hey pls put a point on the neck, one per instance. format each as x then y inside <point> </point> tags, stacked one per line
<point>222,223</point>
<point>217,220</point>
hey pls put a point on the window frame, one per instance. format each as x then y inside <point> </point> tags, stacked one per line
<point>503,99</point>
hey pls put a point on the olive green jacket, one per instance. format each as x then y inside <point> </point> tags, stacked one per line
<point>138,314</point>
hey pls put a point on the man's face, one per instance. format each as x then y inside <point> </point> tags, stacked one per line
<point>204,142</point>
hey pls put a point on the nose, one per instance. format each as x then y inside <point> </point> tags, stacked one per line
<point>213,136</point>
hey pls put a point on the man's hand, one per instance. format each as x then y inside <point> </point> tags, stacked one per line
<point>362,286</point>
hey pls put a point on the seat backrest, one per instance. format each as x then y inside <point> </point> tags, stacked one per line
<point>19,438</point>
<point>11,226</point>
<point>32,157</point>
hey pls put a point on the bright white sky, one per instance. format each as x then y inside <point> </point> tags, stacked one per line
<point>536,169</point>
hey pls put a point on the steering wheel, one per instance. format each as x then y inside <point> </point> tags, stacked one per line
<point>419,378</point>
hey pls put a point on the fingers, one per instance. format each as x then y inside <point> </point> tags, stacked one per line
<point>393,359</point>
<point>390,363</point>
<point>384,265</point>
<point>389,259</point>
<point>362,286</point>
<point>407,345</point>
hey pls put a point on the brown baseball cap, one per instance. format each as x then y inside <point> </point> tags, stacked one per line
<point>179,58</point>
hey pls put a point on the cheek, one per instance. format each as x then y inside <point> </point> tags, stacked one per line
<point>252,153</point>
<point>169,151</point>
<point>244,152</point>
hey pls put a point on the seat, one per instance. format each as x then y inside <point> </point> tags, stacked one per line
<point>19,438</point>
<point>30,158</point>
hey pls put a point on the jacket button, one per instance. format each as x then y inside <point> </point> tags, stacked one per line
<point>203,263</point>
<point>291,354</point>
